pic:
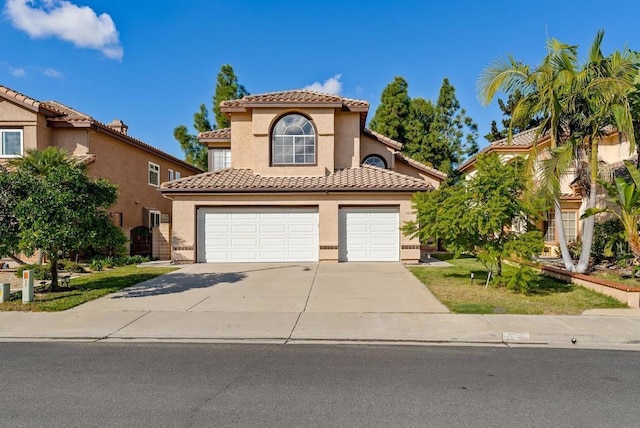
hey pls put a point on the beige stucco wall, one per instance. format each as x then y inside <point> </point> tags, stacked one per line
<point>347,140</point>
<point>251,145</point>
<point>185,208</point>
<point>127,167</point>
<point>35,133</point>
<point>406,169</point>
<point>370,146</point>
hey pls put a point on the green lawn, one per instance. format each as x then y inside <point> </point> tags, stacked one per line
<point>85,289</point>
<point>452,286</point>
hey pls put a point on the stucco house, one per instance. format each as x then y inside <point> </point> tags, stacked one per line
<point>612,150</point>
<point>109,151</point>
<point>298,177</point>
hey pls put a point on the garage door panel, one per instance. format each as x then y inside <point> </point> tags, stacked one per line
<point>369,234</point>
<point>272,228</point>
<point>301,228</point>
<point>258,234</point>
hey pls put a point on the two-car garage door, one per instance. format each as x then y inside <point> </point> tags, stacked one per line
<point>284,234</point>
<point>257,234</point>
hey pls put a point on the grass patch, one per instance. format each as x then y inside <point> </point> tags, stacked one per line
<point>85,289</point>
<point>452,286</point>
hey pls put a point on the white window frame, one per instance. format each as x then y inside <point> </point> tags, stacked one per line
<point>178,175</point>
<point>6,130</point>
<point>154,218</point>
<point>570,230</point>
<point>153,168</point>
<point>286,147</point>
<point>220,158</point>
<point>171,175</point>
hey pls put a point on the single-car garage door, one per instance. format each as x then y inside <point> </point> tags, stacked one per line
<point>369,234</point>
<point>257,234</point>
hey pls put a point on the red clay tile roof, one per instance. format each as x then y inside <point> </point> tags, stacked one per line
<point>364,179</point>
<point>223,134</point>
<point>67,113</point>
<point>525,138</point>
<point>383,139</point>
<point>421,166</point>
<point>299,96</point>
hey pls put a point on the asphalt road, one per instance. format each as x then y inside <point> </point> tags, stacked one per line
<point>204,385</point>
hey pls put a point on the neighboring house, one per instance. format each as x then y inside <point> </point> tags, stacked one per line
<point>135,167</point>
<point>573,200</point>
<point>297,177</point>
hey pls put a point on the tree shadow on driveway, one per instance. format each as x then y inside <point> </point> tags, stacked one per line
<point>179,282</point>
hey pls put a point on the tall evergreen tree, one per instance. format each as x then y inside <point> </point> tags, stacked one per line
<point>517,125</point>
<point>452,134</point>
<point>441,135</point>
<point>417,125</point>
<point>227,88</point>
<point>393,111</point>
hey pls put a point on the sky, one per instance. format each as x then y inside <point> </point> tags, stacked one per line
<point>151,64</point>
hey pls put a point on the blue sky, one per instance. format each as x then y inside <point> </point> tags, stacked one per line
<point>152,64</point>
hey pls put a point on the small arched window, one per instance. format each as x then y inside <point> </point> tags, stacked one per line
<point>293,141</point>
<point>375,160</point>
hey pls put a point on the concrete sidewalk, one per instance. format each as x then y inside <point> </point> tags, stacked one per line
<point>305,304</point>
<point>616,330</point>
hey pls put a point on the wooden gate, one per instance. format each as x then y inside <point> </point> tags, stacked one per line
<point>141,241</point>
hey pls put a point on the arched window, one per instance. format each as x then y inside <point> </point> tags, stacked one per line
<point>293,141</point>
<point>375,160</point>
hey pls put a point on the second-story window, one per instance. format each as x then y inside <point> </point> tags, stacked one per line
<point>293,141</point>
<point>220,159</point>
<point>171,175</point>
<point>10,142</point>
<point>154,174</point>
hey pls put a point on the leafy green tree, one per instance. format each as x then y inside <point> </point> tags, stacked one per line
<point>476,215</point>
<point>393,111</point>
<point>59,209</point>
<point>227,88</point>
<point>575,104</point>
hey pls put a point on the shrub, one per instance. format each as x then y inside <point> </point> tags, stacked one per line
<point>608,240</point>
<point>71,266</point>
<point>40,272</point>
<point>521,281</point>
<point>97,264</point>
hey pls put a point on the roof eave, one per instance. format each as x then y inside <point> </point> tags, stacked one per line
<point>169,191</point>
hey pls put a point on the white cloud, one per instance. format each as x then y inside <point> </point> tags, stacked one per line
<point>330,86</point>
<point>17,71</point>
<point>79,25</point>
<point>52,72</point>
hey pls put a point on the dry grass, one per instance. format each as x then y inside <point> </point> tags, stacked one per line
<point>452,286</point>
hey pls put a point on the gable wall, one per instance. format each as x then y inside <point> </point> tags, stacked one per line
<point>35,133</point>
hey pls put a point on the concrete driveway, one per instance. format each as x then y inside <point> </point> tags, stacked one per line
<point>278,287</point>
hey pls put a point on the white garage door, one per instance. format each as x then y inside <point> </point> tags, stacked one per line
<point>369,234</point>
<point>257,234</point>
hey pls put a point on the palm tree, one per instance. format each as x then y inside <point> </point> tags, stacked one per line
<point>40,162</point>
<point>577,104</point>
<point>624,200</point>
